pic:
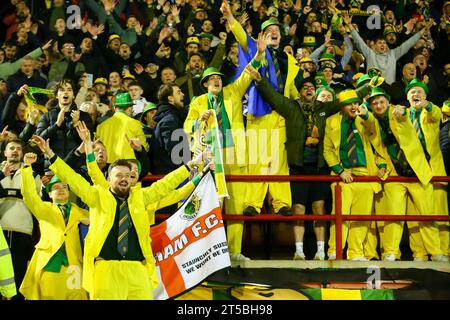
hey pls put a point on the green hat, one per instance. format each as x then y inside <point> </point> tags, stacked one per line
<point>149,106</point>
<point>53,180</point>
<point>327,57</point>
<point>123,100</point>
<point>328,88</point>
<point>362,80</point>
<point>416,83</point>
<point>206,35</point>
<point>348,96</point>
<point>309,41</point>
<point>377,91</point>
<point>209,72</point>
<point>269,22</point>
<point>320,80</point>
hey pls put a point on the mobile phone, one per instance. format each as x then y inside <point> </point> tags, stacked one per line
<point>90,79</point>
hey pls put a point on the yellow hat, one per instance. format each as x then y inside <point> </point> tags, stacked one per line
<point>129,76</point>
<point>305,60</point>
<point>192,40</point>
<point>348,96</point>
<point>113,36</point>
<point>446,108</point>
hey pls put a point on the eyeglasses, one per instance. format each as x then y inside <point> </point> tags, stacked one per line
<point>307,87</point>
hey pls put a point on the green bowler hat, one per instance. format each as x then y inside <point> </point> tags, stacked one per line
<point>416,83</point>
<point>123,100</point>
<point>209,72</point>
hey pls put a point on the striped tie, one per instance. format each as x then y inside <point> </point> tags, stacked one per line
<point>124,223</point>
<point>218,109</point>
<point>64,210</point>
<point>351,146</point>
<point>278,72</point>
<point>416,124</point>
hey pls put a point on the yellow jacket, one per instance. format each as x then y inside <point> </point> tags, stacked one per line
<point>7,283</point>
<point>102,211</point>
<point>173,197</point>
<point>113,132</point>
<point>54,232</point>
<point>332,143</point>
<point>405,134</point>
<point>232,95</point>
<point>290,90</point>
<point>430,122</point>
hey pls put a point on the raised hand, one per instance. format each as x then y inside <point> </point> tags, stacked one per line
<point>23,90</point>
<point>138,68</point>
<point>262,42</point>
<point>4,134</point>
<point>8,168</point>
<point>253,73</point>
<point>226,11</point>
<point>33,117</point>
<point>61,115</point>
<point>47,45</point>
<point>83,132</point>
<point>135,143</point>
<point>29,158</point>
<point>399,111</point>
<point>43,145</point>
<point>75,116</point>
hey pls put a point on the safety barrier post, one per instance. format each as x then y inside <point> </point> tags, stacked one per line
<point>338,220</point>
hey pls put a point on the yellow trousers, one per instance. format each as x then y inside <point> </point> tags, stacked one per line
<point>235,205</point>
<point>266,137</point>
<point>357,198</point>
<point>424,237</point>
<point>394,202</point>
<point>63,285</point>
<point>121,280</point>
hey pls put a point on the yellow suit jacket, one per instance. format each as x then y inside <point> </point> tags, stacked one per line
<point>404,132</point>
<point>172,198</point>
<point>430,126</point>
<point>54,232</point>
<point>102,211</point>
<point>113,132</point>
<point>232,95</point>
<point>332,143</point>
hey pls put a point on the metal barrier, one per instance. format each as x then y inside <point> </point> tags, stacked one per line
<point>338,217</point>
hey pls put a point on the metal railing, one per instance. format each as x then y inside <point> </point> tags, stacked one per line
<point>339,218</point>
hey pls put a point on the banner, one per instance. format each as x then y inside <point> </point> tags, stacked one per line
<point>208,137</point>
<point>191,244</point>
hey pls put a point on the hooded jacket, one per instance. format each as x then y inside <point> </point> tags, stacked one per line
<point>169,139</point>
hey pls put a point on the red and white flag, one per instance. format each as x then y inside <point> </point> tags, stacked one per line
<point>191,244</point>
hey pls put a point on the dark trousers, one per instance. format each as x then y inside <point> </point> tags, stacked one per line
<point>21,247</point>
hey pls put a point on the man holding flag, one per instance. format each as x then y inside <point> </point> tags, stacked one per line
<point>226,104</point>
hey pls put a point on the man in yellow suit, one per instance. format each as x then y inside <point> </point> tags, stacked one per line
<point>266,128</point>
<point>55,270</point>
<point>227,104</point>
<point>117,130</point>
<point>426,118</point>
<point>348,152</point>
<point>118,261</point>
<point>406,158</point>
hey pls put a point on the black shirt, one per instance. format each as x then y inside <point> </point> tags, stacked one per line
<point>109,249</point>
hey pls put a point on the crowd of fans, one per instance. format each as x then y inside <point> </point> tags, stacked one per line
<point>130,71</point>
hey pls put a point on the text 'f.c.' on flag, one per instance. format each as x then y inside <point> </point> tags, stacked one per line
<point>191,244</point>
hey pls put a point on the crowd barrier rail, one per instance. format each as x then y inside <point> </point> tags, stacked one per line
<point>339,218</point>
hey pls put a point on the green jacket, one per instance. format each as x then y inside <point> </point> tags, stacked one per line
<point>296,121</point>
